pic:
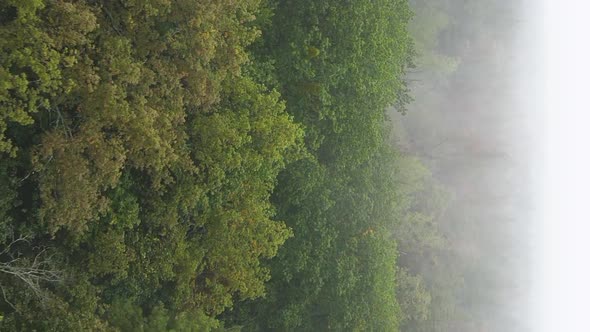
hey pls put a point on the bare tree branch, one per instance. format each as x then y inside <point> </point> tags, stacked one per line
<point>33,272</point>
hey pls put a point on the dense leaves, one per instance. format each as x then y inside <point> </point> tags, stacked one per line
<point>145,161</point>
<point>156,155</point>
<point>339,65</point>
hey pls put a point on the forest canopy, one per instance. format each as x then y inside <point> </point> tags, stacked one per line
<point>200,165</point>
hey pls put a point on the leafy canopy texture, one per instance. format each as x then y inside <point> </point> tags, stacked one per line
<point>199,165</point>
<point>139,154</point>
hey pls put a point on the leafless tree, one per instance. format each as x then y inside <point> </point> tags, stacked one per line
<point>33,271</point>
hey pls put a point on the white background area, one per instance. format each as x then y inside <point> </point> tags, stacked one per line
<point>561,269</point>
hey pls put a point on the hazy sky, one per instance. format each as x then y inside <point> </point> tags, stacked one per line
<point>561,296</point>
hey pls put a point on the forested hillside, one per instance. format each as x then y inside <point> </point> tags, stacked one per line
<point>200,165</point>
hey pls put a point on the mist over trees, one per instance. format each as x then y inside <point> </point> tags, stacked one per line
<point>230,165</point>
<point>467,127</point>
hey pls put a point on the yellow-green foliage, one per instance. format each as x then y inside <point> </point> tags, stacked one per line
<point>160,153</point>
<point>148,157</point>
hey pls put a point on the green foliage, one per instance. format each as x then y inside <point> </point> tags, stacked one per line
<point>146,160</point>
<point>125,316</point>
<point>339,65</point>
<point>430,20</point>
<point>414,298</point>
<point>180,163</point>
